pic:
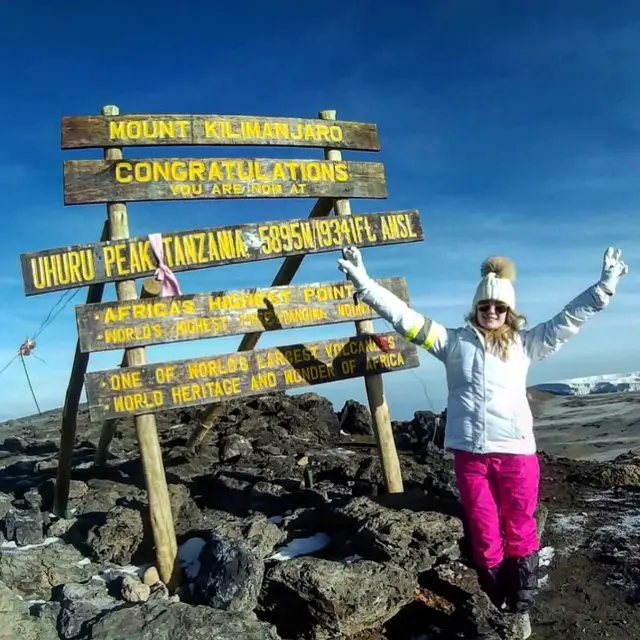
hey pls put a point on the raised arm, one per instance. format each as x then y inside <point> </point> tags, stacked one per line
<point>548,337</point>
<point>410,324</point>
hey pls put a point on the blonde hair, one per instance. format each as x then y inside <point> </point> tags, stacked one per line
<point>499,341</point>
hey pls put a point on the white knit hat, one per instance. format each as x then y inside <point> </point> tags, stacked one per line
<point>498,275</point>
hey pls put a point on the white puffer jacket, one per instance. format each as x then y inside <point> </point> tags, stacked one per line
<point>487,409</point>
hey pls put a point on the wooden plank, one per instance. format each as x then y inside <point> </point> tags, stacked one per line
<point>117,325</point>
<point>85,132</point>
<point>84,264</point>
<point>183,383</point>
<point>143,180</point>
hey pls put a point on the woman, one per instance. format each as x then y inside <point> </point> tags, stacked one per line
<point>489,422</point>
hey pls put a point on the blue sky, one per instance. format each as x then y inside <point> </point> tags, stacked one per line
<point>512,127</point>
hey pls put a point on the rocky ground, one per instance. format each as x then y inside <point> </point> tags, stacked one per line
<point>285,532</point>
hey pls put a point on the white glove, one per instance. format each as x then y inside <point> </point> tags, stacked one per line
<point>612,270</point>
<point>394,310</point>
<point>353,266</point>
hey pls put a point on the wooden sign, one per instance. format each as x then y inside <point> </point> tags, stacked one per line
<point>154,387</point>
<point>91,181</point>
<point>137,323</point>
<point>80,265</point>
<point>84,132</point>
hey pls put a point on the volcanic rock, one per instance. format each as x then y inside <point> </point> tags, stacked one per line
<point>355,419</point>
<point>24,527</point>
<point>118,539</point>
<point>230,575</point>
<point>80,603</point>
<point>17,624</point>
<point>35,573</point>
<point>323,599</point>
<point>164,620</point>
<point>411,539</point>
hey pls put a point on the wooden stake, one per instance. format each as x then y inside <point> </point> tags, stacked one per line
<point>375,389</point>
<point>159,505</point>
<point>70,410</point>
<point>287,271</point>
<point>150,289</point>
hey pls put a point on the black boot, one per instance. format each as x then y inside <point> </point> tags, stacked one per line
<point>492,583</point>
<point>521,582</point>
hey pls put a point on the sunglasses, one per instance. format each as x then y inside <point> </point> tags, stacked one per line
<point>499,308</point>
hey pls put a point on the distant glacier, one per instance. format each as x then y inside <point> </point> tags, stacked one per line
<point>609,383</point>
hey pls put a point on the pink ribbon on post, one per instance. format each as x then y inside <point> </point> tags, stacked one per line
<point>170,286</point>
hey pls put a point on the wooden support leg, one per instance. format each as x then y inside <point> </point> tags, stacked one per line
<point>70,409</point>
<point>389,460</point>
<point>146,429</point>
<point>150,289</point>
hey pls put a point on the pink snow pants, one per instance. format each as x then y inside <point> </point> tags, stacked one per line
<point>499,493</point>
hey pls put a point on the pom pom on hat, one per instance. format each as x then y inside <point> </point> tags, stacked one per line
<point>501,266</point>
<point>498,274</point>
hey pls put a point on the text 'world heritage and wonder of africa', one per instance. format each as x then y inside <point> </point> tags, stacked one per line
<point>93,181</point>
<point>81,265</point>
<point>154,387</point>
<point>131,323</point>
<point>148,129</point>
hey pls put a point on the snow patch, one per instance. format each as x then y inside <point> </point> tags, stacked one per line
<point>12,546</point>
<point>546,555</point>
<point>112,573</point>
<point>572,526</point>
<point>623,530</point>
<point>188,556</point>
<point>301,547</point>
<point>608,383</point>
<point>606,497</point>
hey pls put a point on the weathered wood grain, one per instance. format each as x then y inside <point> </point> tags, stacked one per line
<point>85,132</point>
<point>117,325</point>
<point>80,265</point>
<point>143,180</point>
<point>183,383</point>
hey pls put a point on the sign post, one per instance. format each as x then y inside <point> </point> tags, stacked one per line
<point>378,407</point>
<point>150,453</point>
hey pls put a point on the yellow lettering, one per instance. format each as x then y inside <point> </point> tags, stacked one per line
<point>148,129</point>
<point>123,380</point>
<point>326,293</point>
<point>165,374</point>
<point>120,335</point>
<point>139,400</point>
<point>72,267</point>
<point>348,367</point>
<point>311,373</point>
<point>109,259</point>
<point>385,361</point>
<point>200,391</point>
<point>266,178</point>
<point>348,310</point>
<point>249,130</point>
<point>266,380</point>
